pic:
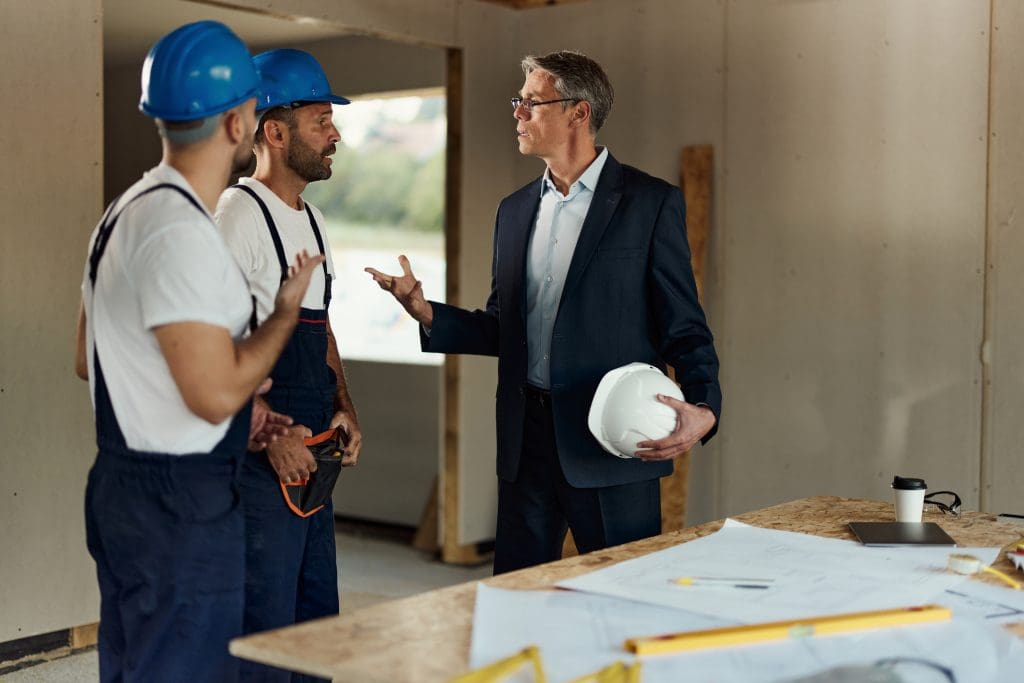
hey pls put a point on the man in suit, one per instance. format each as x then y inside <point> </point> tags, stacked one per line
<point>591,271</point>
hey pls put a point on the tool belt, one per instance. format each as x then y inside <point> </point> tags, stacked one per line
<point>308,496</point>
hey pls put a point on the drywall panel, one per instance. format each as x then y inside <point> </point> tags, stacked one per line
<point>50,199</point>
<point>429,23</point>
<point>131,145</point>
<point>1003,467</point>
<point>397,407</point>
<point>855,208</point>
<point>359,65</point>
<point>489,154</point>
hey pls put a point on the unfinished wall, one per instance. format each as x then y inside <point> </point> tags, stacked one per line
<point>431,23</point>
<point>855,214</point>
<point>1003,462</point>
<point>396,470</point>
<point>131,145</point>
<point>50,201</point>
<point>845,293</point>
<point>489,34</point>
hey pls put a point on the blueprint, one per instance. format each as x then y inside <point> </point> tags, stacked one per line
<point>579,633</point>
<point>796,575</point>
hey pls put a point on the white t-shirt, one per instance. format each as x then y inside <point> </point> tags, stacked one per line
<point>165,263</point>
<point>244,228</point>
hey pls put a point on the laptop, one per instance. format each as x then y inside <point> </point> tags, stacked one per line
<point>900,533</point>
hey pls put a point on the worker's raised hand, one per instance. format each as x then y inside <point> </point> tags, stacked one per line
<point>290,457</point>
<point>291,293</point>
<point>407,290</point>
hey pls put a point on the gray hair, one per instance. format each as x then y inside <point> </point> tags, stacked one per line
<point>577,77</point>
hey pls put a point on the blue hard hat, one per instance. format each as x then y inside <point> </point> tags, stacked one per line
<point>196,71</point>
<point>292,76</point>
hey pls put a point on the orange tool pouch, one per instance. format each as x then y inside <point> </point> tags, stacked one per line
<point>308,496</point>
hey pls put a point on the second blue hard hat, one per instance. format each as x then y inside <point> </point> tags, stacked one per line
<point>196,71</point>
<point>291,77</point>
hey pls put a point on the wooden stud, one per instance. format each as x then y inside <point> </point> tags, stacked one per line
<point>569,546</point>
<point>451,550</point>
<point>83,636</point>
<point>695,176</point>
<point>531,4</point>
<point>695,179</point>
<point>425,538</point>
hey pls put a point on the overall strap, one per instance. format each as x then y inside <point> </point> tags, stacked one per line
<point>274,235</point>
<point>254,321</point>
<point>109,220</point>
<point>320,244</point>
<point>108,431</point>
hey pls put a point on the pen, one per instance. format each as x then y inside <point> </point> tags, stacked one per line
<point>779,630</point>
<point>725,582</point>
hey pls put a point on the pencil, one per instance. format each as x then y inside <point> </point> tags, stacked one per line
<point>722,582</point>
<point>780,630</point>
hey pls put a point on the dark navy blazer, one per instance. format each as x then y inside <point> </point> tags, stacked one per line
<point>629,296</point>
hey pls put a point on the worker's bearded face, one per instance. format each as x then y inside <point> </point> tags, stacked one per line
<point>310,164</point>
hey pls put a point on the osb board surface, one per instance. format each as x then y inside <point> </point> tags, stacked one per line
<point>426,637</point>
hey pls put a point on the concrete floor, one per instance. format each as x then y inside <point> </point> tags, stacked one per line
<point>371,569</point>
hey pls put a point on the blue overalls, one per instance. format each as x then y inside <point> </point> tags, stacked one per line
<point>168,537</point>
<point>291,573</point>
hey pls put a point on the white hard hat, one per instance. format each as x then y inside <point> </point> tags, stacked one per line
<point>626,409</point>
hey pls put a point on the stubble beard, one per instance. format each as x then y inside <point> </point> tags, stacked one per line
<point>307,163</point>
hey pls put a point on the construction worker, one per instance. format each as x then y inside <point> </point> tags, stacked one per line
<point>164,307</point>
<point>291,570</point>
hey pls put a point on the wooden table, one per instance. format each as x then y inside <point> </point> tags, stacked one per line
<point>426,637</point>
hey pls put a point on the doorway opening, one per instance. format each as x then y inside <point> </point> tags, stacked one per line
<point>385,197</point>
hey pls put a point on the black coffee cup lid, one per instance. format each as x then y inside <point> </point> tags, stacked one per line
<point>908,483</point>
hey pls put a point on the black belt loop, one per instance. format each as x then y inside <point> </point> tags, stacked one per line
<point>254,322</point>
<point>536,394</point>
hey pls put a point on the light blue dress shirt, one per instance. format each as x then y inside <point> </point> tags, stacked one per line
<point>552,243</point>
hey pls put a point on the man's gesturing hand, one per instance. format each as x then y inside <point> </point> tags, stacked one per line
<point>407,290</point>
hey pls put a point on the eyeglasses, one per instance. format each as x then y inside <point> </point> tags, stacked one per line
<point>529,104</point>
<point>949,506</point>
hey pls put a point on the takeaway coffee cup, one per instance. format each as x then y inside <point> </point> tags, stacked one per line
<point>909,493</point>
